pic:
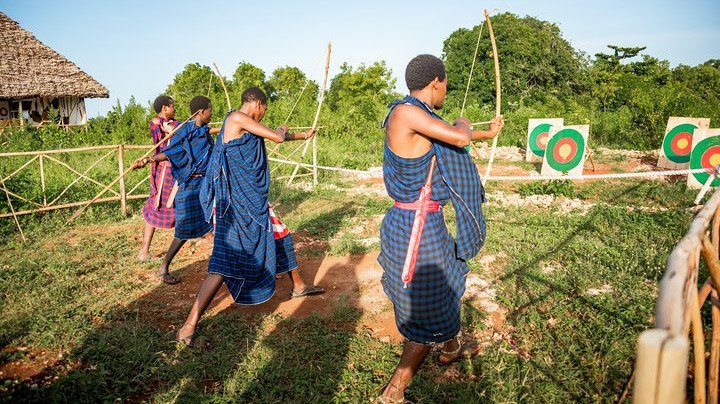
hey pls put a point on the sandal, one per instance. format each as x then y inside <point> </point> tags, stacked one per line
<point>168,279</point>
<point>308,290</point>
<point>466,350</point>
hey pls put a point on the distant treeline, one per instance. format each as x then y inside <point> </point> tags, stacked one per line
<point>625,95</point>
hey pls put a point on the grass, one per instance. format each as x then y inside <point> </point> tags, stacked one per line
<point>77,290</point>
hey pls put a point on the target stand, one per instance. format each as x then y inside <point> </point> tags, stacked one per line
<point>705,154</point>
<point>538,137</point>
<point>678,142</point>
<point>566,151</point>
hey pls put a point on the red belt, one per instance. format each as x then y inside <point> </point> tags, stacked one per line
<point>430,206</point>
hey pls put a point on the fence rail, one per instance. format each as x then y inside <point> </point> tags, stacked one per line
<point>77,177</point>
<point>661,370</point>
<point>82,175</point>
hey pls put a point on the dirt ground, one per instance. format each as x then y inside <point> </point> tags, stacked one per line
<point>351,279</point>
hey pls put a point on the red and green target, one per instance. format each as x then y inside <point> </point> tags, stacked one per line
<point>538,139</point>
<point>706,154</point>
<point>565,150</point>
<point>678,143</point>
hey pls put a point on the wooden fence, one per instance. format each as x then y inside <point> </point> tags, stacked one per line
<point>662,368</point>
<point>82,175</point>
<point>79,176</point>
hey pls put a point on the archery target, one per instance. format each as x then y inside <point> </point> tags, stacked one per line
<point>538,137</point>
<point>705,154</point>
<point>678,141</point>
<point>566,150</point>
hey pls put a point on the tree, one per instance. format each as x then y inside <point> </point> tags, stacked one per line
<point>535,60</point>
<point>194,80</point>
<point>246,75</point>
<point>363,89</point>
<point>287,84</point>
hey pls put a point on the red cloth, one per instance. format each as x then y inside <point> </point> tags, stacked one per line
<point>155,211</point>
<point>279,228</point>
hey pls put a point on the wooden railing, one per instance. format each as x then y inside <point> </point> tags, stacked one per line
<point>78,176</point>
<point>663,352</point>
<point>82,175</point>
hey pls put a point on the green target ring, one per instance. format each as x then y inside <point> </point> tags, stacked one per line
<point>706,154</point>
<point>565,150</point>
<point>538,139</point>
<point>677,144</point>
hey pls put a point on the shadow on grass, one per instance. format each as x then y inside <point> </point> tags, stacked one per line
<point>281,350</point>
<point>526,282</point>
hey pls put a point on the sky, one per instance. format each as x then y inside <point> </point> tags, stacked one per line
<point>135,48</point>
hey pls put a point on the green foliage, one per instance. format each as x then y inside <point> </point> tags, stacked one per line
<point>535,60</point>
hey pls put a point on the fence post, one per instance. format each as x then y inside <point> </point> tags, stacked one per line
<point>42,180</point>
<point>121,169</point>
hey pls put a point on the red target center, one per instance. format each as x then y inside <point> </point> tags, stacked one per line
<point>711,157</point>
<point>541,140</point>
<point>681,143</point>
<point>565,150</point>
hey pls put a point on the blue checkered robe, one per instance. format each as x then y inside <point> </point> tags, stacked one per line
<point>189,154</point>
<point>245,252</point>
<point>428,310</point>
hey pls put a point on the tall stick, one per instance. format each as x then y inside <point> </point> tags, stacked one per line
<point>317,113</point>
<point>698,347</point>
<point>222,82</point>
<point>147,153</point>
<point>497,94</point>
<point>12,210</point>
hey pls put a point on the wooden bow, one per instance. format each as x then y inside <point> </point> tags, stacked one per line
<point>497,95</point>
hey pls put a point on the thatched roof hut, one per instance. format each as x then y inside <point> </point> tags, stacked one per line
<point>33,73</point>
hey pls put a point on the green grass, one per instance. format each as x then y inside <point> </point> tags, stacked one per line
<point>79,290</point>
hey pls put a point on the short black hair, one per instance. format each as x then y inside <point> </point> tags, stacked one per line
<point>422,70</point>
<point>254,94</point>
<point>199,102</point>
<point>161,101</point>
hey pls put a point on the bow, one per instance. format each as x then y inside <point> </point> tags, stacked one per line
<point>315,121</point>
<point>497,95</point>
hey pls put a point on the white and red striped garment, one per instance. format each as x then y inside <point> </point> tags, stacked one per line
<point>279,228</point>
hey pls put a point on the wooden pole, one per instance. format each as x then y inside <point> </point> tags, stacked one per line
<point>121,166</point>
<point>69,205</point>
<point>698,347</point>
<point>222,82</point>
<point>711,258</point>
<point>42,180</point>
<point>12,210</point>
<point>714,372</point>
<point>317,112</point>
<point>20,114</point>
<point>496,61</point>
<point>147,153</point>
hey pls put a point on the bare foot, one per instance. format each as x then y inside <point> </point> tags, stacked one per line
<point>186,334</point>
<point>392,394</point>
<point>144,256</point>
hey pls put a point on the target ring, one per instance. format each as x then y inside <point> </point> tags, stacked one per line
<point>538,139</point>
<point>706,155</point>
<point>678,143</point>
<point>565,150</point>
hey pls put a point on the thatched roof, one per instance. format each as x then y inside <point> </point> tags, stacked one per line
<point>28,68</point>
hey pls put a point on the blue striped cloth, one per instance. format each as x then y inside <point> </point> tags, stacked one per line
<point>245,252</point>
<point>428,310</point>
<point>189,154</point>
